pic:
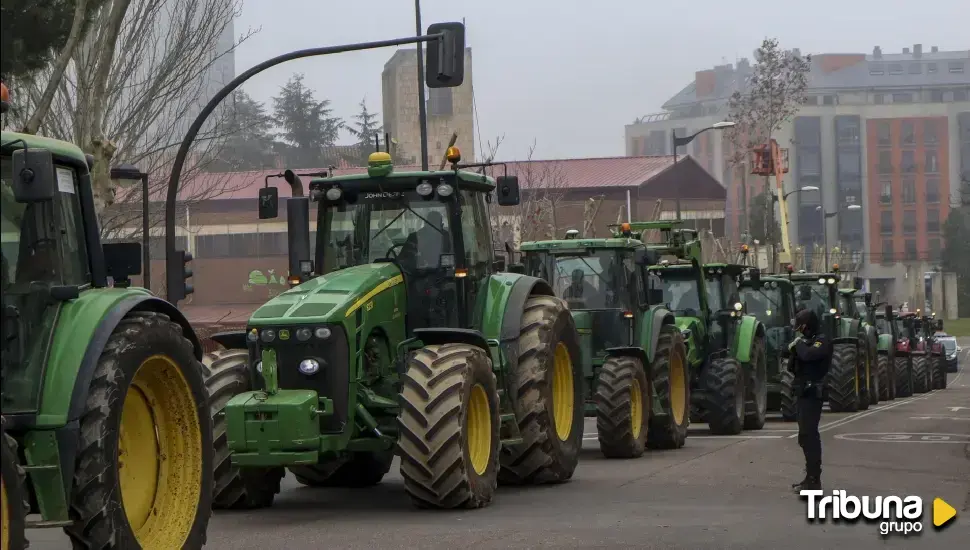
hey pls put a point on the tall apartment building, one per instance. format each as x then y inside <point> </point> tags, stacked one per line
<point>889,132</point>
<point>449,110</point>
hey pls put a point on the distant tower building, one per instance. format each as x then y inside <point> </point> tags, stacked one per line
<point>449,110</point>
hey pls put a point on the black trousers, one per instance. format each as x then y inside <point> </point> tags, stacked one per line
<point>809,416</point>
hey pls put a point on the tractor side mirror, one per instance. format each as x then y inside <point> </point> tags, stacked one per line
<point>269,203</point>
<point>517,268</point>
<point>889,313</point>
<point>499,264</point>
<point>507,188</point>
<point>868,298</point>
<point>445,60</point>
<point>645,257</point>
<point>122,260</point>
<point>755,274</point>
<point>655,296</point>
<point>33,176</point>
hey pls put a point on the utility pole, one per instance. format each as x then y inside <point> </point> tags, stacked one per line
<point>422,108</point>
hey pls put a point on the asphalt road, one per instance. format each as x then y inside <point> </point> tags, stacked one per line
<point>715,493</point>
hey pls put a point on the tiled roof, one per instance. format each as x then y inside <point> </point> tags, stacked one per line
<point>583,173</point>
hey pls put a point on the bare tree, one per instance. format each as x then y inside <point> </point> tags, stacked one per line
<point>128,92</point>
<point>543,186</point>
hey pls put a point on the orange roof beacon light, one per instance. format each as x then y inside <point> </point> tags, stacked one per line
<point>744,249</point>
<point>625,228</point>
<point>790,268</point>
<point>453,154</point>
<point>628,315</point>
<point>4,97</point>
<point>835,268</point>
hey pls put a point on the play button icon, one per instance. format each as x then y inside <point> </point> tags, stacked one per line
<point>942,512</point>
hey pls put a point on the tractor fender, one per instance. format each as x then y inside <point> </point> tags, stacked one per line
<point>438,336</point>
<point>630,351</point>
<point>502,318</point>
<point>748,330</point>
<point>884,342</point>
<point>653,322</point>
<point>231,339</point>
<point>845,340</point>
<point>89,360</point>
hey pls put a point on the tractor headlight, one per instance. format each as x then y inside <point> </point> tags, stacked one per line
<point>445,190</point>
<point>322,333</point>
<point>832,311</point>
<point>738,306</point>
<point>259,367</point>
<point>252,336</point>
<point>424,189</point>
<point>309,366</point>
<point>821,281</point>
<point>334,194</point>
<point>268,335</point>
<point>768,312</point>
<point>303,334</point>
<point>830,281</point>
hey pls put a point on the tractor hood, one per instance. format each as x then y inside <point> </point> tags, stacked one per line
<point>686,323</point>
<point>329,298</point>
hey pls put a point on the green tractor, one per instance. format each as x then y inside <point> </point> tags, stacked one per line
<point>633,355</point>
<point>725,347</point>
<point>102,386</point>
<point>887,335</point>
<point>772,301</point>
<point>402,335</point>
<point>848,379</point>
<point>852,310</point>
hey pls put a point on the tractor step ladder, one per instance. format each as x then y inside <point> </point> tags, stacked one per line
<point>508,425</point>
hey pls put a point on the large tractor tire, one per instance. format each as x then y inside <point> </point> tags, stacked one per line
<point>13,497</point>
<point>723,382</point>
<point>939,374</point>
<point>622,407</point>
<point>361,470</point>
<point>671,380</point>
<point>920,375</point>
<point>756,387</point>
<point>449,437</point>
<point>864,372</point>
<point>145,457</point>
<point>235,488</point>
<point>547,395</point>
<point>789,409</point>
<point>886,389</point>
<point>843,380</point>
<point>904,375</point>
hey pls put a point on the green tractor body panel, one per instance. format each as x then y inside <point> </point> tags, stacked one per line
<point>741,344</point>
<point>63,149</point>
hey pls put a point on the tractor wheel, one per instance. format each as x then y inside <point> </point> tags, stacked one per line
<point>756,387</point>
<point>235,488</point>
<point>920,384</point>
<point>723,383</point>
<point>622,407</point>
<point>882,373</point>
<point>864,373</point>
<point>904,376</point>
<point>362,470</point>
<point>671,381</point>
<point>547,395</point>
<point>939,375</point>
<point>449,427</point>
<point>789,410</point>
<point>145,457</point>
<point>13,497</point>
<point>843,380</point>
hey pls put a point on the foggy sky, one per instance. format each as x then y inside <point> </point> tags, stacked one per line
<point>569,74</point>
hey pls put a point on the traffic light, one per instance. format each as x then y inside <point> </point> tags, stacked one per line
<point>177,279</point>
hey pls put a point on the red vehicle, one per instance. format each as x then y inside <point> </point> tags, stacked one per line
<point>912,363</point>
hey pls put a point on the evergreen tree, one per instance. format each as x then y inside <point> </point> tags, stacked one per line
<point>32,32</point>
<point>250,142</point>
<point>757,214</point>
<point>364,127</point>
<point>956,256</point>
<point>308,125</point>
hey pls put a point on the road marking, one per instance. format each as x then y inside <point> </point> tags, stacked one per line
<point>862,414</point>
<point>958,409</point>
<point>955,439</point>
<point>939,417</point>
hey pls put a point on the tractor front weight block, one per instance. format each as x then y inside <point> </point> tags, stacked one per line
<point>280,429</point>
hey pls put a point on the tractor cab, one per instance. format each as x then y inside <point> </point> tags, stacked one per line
<point>906,329</point>
<point>817,291</point>
<point>434,226</point>
<point>771,300</point>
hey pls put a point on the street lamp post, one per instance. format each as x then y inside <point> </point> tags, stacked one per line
<point>127,175</point>
<point>422,107</point>
<point>682,141</point>
<point>825,237</point>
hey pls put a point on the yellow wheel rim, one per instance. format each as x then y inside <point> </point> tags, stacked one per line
<point>636,408</point>
<point>677,380</point>
<point>562,392</point>
<point>160,455</point>
<point>4,517</point>
<point>478,425</point>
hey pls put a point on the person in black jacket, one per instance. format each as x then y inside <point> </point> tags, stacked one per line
<point>811,357</point>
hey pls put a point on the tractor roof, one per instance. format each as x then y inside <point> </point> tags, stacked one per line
<point>804,277</point>
<point>381,168</point>
<point>777,281</point>
<point>581,245</point>
<point>848,291</point>
<point>57,147</point>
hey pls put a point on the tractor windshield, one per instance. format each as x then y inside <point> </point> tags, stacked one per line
<point>592,281</point>
<point>766,305</point>
<point>814,296</point>
<point>849,308</point>
<point>882,325</point>
<point>681,291</point>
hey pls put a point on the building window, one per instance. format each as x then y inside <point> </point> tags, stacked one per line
<point>933,220</point>
<point>959,95</point>
<point>932,190</point>
<point>895,68</point>
<point>884,134</point>
<point>903,98</point>
<point>936,96</point>
<point>887,251</point>
<point>935,250</point>
<point>915,68</point>
<point>850,164</point>
<point>909,190</point>
<point>908,161</point>
<point>931,164</point>
<point>955,66</point>
<point>828,100</point>
<point>810,100</point>
<point>885,162</point>
<point>847,129</point>
<point>809,162</point>
<point>885,190</point>
<point>886,222</point>
<point>909,222</point>
<point>878,99</point>
<point>440,102</point>
<point>931,68</point>
<point>911,249</point>
<point>908,133</point>
<point>930,136</point>
<point>877,69</point>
